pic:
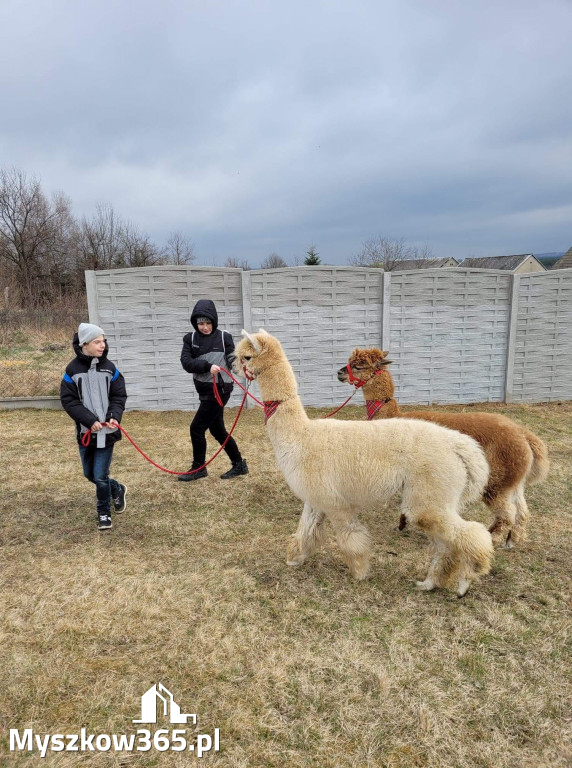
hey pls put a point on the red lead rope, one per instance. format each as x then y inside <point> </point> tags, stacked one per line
<point>170,471</point>
<point>86,437</point>
<point>228,373</point>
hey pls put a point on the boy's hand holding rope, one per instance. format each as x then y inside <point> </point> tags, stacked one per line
<point>215,370</point>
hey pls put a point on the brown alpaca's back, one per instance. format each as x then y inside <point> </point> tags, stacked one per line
<point>516,456</point>
<point>508,452</point>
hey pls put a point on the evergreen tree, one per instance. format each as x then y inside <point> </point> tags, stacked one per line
<point>312,259</point>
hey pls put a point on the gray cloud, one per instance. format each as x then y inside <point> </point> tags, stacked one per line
<point>257,126</point>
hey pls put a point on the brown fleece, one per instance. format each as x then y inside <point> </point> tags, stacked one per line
<point>516,456</point>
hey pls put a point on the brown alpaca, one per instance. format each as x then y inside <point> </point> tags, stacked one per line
<point>516,456</point>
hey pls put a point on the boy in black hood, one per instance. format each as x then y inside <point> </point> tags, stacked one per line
<point>205,352</point>
<point>93,394</point>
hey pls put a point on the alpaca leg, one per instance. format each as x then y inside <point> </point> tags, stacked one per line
<point>439,526</point>
<point>475,552</point>
<point>430,582</point>
<point>518,533</point>
<point>443,565</point>
<point>463,549</point>
<point>355,542</point>
<point>308,537</point>
<point>465,556</point>
<point>505,511</point>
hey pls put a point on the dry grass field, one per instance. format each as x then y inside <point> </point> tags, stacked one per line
<point>296,667</point>
<point>33,356</point>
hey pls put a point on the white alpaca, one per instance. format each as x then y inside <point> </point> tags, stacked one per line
<point>338,468</point>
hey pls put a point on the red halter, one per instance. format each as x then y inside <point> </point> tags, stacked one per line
<point>353,379</point>
<point>359,382</point>
<point>248,376</point>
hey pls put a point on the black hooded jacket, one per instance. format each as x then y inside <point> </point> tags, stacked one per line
<point>201,351</point>
<point>91,382</point>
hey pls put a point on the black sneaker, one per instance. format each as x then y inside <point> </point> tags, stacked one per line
<point>195,476</point>
<point>104,521</point>
<point>119,503</point>
<point>238,468</point>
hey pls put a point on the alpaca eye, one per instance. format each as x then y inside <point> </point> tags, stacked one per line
<point>246,357</point>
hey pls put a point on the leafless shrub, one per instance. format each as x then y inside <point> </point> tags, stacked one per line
<point>384,253</point>
<point>273,261</point>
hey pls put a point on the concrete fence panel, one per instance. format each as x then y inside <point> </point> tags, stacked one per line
<point>455,335</point>
<point>543,339</point>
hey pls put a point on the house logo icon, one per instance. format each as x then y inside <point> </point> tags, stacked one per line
<point>149,702</point>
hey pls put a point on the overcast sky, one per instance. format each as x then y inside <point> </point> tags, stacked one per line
<point>259,126</point>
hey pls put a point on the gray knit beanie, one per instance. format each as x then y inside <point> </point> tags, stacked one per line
<point>88,332</point>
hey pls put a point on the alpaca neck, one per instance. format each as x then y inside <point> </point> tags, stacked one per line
<point>278,383</point>
<point>379,388</point>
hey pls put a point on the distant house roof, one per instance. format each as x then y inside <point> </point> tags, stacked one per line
<point>424,263</point>
<point>565,262</point>
<point>510,263</point>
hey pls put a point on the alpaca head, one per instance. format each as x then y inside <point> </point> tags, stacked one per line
<point>256,353</point>
<point>364,364</point>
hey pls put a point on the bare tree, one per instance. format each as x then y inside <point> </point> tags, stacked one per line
<point>180,250</point>
<point>35,236</point>
<point>100,239</point>
<point>108,242</point>
<point>273,261</point>
<point>381,252</point>
<point>137,249</point>
<point>236,264</point>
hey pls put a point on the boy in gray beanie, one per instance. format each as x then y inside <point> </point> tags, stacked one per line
<point>88,332</point>
<point>93,394</point>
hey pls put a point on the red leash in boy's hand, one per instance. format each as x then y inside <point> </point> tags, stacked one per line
<point>86,437</point>
<point>85,443</point>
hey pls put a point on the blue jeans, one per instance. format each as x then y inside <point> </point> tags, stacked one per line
<point>96,463</point>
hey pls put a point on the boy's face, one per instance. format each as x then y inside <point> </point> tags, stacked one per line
<point>94,348</point>
<point>205,328</point>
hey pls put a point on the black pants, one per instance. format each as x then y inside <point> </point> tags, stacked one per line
<point>210,415</point>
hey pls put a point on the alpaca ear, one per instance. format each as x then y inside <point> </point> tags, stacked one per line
<point>385,360</point>
<point>255,345</point>
<point>381,359</point>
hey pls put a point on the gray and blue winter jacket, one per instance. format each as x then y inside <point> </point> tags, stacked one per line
<point>93,390</point>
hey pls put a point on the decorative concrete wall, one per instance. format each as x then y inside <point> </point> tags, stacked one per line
<point>456,336</point>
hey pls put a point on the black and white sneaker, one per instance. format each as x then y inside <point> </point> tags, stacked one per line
<point>119,502</point>
<point>104,521</point>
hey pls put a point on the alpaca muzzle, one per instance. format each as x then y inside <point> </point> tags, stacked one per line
<point>249,375</point>
<point>351,379</point>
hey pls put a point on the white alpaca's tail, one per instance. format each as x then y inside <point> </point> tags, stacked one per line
<point>473,457</point>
